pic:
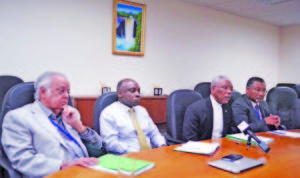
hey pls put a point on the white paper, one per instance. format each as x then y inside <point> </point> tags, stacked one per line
<point>198,147</point>
<point>286,133</point>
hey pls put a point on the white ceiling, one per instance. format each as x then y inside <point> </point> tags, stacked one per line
<point>276,12</point>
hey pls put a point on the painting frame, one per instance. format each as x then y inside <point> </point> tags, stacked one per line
<point>128,28</point>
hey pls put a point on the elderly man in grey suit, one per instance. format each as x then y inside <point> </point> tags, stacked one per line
<point>253,109</point>
<point>47,135</point>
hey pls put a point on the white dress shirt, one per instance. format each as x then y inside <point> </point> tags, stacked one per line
<point>118,131</point>
<point>218,118</point>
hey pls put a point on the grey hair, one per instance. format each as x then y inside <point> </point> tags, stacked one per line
<point>44,81</point>
<point>217,79</point>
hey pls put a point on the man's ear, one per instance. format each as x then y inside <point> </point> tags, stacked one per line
<point>247,89</point>
<point>43,92</point>
<point>212,89</point>
<point>119,93</point>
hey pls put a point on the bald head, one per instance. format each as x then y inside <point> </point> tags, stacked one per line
<point>128,91</point>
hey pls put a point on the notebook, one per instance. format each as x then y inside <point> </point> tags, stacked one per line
<point>198,147</point>
<point>112,164</point>
<point>244,138</point>
<point>237,166</point>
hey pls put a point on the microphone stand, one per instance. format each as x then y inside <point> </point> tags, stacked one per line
<point>261,144</point>
<point>248,142</point>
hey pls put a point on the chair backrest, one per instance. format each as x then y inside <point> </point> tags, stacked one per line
<point>282,102</point>
<point>298,90</point>
<point>203,88</point>
<point>18,96</point>
<point>235,95</point>
<point>6,82</point>
<point>178,101</point>
<point>291,85</point>
<point>103,101</point>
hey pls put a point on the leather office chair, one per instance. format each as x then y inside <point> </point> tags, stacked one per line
<point>283,101</point>
<point>235,95</point>
<point>103,101</point>
<point>177,104</point>
<point>6,82</point>
<point>18,96</point>
<point>203,88</point>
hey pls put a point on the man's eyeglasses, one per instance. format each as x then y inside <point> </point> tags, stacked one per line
<point>258,90</point>
<point>225,88</point>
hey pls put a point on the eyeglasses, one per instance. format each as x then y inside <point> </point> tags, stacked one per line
<point>259,90</point>
<point>225,88</point>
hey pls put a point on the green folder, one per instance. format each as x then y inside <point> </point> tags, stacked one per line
<point>113,163</point>
<point>244,138</point>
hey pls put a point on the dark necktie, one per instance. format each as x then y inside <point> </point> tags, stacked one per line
<point>257,111</point>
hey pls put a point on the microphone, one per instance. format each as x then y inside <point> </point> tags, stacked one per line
<point>244,128</point>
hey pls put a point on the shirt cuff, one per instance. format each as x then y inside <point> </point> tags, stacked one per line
<point>87,135</point>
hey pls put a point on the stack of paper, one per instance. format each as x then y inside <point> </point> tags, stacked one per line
<point>286,133</point>
<point>198,147</point>
<point>113,163</point>
<point>244,138</point>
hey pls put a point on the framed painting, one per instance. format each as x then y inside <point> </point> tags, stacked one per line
<point>128,28</point>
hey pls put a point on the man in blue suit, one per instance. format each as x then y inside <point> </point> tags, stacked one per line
<point>47,135</point>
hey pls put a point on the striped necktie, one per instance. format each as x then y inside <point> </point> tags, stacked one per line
<point>141,136</point>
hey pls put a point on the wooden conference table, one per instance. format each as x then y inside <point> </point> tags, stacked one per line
<point>282,161</point>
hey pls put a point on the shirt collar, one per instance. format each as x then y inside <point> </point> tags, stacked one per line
<point>124,107</point>
<point>46,110</point>
<point>254,104</point>
<point>214,102</point>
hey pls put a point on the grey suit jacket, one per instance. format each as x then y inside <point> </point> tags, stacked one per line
<point>33,144</point>
<point>243,111</point>
<point>198,121</point>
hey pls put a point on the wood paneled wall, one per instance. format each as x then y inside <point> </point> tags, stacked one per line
<point>155,105</point>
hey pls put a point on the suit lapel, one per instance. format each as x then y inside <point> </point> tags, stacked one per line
<point>263,110</point>
<point>210,117</point>
<point>252,112</point>
<point>41,118</point>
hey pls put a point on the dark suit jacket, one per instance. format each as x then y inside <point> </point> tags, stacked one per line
<point>243,111</point>
<point>198,121</point>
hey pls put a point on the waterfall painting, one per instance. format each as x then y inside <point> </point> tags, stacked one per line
<point>128,28</point>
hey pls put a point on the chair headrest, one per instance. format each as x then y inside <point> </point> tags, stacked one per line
<point>282,97</point>
<point>6,82</point>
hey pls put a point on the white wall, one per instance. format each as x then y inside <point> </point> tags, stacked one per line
<point>185,44</point>
<point>290,54</point>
